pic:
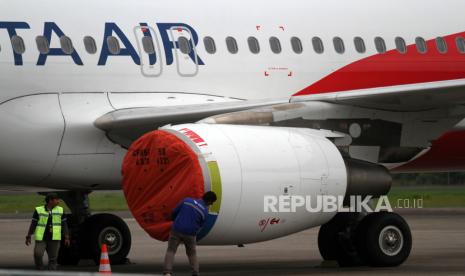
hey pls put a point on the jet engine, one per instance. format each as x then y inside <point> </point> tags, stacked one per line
<point>243,165</point>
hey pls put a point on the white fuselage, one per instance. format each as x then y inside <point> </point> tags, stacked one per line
<point>48,102</point>
<point>240,75</point>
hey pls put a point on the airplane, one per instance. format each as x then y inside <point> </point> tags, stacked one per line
<point>170,99</point>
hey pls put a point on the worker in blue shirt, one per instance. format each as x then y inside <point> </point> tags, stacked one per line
<point>189,216</point>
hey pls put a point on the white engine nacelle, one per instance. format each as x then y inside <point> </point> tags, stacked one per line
<point>242,164</point>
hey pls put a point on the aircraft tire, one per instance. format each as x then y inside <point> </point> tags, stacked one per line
<point>383,239</point>
<point>335,240</point>
<point>109,229</point>
<point>68,255</point>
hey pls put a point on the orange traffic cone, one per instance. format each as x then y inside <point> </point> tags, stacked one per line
<point>104,261</point>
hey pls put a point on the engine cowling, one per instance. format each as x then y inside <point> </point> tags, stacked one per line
<point>242,164</point>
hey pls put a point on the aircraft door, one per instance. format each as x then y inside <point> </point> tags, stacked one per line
<point>149,50</point>
<point>187,61</point>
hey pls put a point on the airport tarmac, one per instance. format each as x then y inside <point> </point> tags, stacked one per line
<point>438,248</point>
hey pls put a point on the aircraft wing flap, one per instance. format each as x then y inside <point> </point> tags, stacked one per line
<point>408,98</point>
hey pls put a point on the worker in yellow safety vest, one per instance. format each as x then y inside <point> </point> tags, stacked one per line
<point>48,226</point>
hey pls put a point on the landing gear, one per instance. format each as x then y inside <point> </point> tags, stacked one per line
<point>378,239</point>
<point>88,232</point>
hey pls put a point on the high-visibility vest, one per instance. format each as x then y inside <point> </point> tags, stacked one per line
<point>57,213</point>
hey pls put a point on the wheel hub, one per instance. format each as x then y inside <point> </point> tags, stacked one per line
<point>391,240</point>
<point>110,238</point>
<point>113,238</point>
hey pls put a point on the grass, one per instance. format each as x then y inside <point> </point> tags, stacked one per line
<point>108,201</point>
<point>429,196</point>
<point>19,203</point>
<point>99,201</point>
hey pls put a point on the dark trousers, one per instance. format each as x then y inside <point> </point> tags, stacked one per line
<point>52,248</point>
<point>190,243</point>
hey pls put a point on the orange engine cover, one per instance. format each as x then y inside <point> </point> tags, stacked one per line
<point>159,170</point>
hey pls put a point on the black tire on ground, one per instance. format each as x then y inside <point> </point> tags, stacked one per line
<point>68,255</point>
<point>383,239</point>
<point>109,229</point>
<point>335,240</point>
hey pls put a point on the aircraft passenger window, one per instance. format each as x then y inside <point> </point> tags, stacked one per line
<point>318,45</point>
<point>275,45</point>
<point>184,45</point>
<point>231,44</point>
<point>91,46</point>
<point>113,45</point>
<point>42,44</point>
<point>66,45</point>
<point>421,45</point>
<point>254,46</point>
<point>359,45</point>
<point>441,45</point>
<point>18,45</point>
<point>400,45</point>
<point>460,41</point>
<point>339,45</point>
<point>296,45</point>
<point>380,45</point>
<point>147,44</point>
<point>210,46</point>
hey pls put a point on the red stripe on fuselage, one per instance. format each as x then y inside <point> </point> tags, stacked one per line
<point>446,154</point>
<point>393,68</point>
